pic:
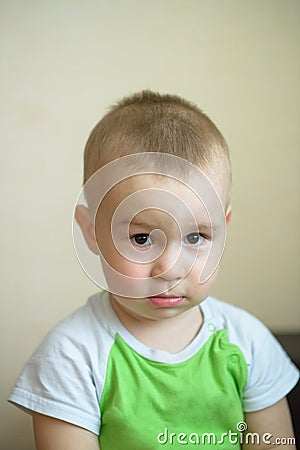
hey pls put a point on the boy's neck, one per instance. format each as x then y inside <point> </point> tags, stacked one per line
<point>171,335</point>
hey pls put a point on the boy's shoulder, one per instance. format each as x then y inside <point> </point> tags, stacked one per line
<point>243,329</point>
<point>84,330</point>
<point>231,317</point>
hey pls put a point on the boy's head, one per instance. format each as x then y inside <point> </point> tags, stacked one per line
<point>155,225</point>
<point>150,122</point>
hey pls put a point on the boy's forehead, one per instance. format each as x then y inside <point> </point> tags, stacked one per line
<point>134,174</point>
<point>155,186</point>
<point>162,168</point>
<point>145,184</point>
<point>150,192</point>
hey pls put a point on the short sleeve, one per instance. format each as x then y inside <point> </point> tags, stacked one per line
<point>271,375</point>
<point>58,381</point>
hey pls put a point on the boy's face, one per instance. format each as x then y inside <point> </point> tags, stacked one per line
<point>156,232</point>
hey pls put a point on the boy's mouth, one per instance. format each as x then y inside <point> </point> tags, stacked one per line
<point>165,301</point>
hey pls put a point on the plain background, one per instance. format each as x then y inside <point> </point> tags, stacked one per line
<point>63,64</point>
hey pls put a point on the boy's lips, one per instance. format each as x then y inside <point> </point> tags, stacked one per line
<point>166,301</point>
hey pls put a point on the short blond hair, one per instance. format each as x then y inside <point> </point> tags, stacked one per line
<point>151,122</point>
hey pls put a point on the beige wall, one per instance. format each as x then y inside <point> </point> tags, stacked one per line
<point>63,63</point>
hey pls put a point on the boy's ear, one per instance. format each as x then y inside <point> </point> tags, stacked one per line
<point>82,216</point>
<point>228,214</point>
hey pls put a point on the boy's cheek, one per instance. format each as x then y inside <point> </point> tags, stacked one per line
<point>193,280</point>
<point>134,272</point>
<point>129,282</point>
<point>208,285</point>
<point>127,268</point>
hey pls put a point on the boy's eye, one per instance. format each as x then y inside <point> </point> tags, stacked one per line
<point>141,239</point>
<point>195,238</point>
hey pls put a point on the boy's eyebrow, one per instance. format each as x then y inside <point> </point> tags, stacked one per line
<point>143,224</point>
<point>206,228</point>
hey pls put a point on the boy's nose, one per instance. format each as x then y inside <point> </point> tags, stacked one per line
<point>169,265</point>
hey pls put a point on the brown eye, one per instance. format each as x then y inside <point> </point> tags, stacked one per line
<point>141,239</point>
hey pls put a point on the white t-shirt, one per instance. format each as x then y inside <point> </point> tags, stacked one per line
<point>78,372</point>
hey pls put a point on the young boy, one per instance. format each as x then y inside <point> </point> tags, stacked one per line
<point>152,360</point>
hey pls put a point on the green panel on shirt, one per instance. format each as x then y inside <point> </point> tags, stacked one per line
<point>143,399</point>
